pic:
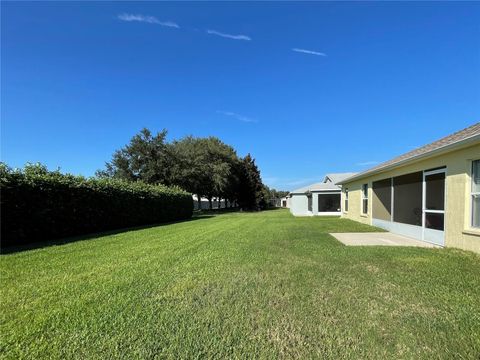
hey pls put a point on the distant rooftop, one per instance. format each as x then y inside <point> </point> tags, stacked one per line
<point>337,177</point>
<point>328,183</point>
<point>471,133</point>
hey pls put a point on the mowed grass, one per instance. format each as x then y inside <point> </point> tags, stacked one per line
<point>239,285</point>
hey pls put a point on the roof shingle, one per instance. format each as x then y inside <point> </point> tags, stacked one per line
<point>459,136</point>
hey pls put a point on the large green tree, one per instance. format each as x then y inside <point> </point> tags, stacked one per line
<point>250,184</point>
<point>188,169</point>
<point>203,166</point>
<point>221,158</point>
<point>206,167</point>
<point>147,158</point>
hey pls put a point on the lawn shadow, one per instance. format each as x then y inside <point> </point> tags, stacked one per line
<point>217,211</point>
<point>231,210</point>
<point>71,239</point>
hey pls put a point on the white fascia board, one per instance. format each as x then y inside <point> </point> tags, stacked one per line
<point>339,191</point>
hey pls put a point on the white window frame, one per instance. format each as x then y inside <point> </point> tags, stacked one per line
<point>364,198</point>
<point>345,203</point>
<point>472,195</point>
<point>433,235</point>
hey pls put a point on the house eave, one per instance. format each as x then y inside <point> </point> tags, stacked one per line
<point>339,190</point>
<point>439,151</point>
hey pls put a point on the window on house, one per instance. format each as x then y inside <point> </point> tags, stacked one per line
<point>364,198</point>
<point>309,197</point>
<point>346,200</point>
<point>328,202</point>
<point>476,193</point>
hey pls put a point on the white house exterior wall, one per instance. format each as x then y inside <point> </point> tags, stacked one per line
<point>299,205</point>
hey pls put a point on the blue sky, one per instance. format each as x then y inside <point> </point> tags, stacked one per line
<point>366,82</point>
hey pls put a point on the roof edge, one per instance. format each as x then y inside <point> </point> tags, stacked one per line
<point>315,191</point>
<point>437,151</point>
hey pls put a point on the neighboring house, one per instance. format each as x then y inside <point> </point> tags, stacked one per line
<point>318,199</point>
<point>431,193</point>
<point>275,202</point>
<point>285,202</point>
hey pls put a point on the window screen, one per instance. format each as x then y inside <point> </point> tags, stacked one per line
<point>382,199</point>
<point>328,202</point>
<point>407,194</point>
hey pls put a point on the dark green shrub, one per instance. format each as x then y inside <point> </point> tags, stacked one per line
<point>37,204</point>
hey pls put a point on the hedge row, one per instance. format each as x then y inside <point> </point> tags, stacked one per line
<point>38,205</point>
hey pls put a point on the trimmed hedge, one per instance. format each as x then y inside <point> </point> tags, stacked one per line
<point>38,205</point>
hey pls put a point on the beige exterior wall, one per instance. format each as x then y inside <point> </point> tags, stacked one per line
<point>458,230</point>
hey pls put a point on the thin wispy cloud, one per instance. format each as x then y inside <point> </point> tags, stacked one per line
<point>146,19</point>
<point>310,52</point>
<point>229,36</point>
<point>237,116</point>
<point>367,163</point>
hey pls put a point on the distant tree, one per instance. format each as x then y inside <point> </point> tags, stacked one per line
<point>147,158</point>
<point>221,158</point>
<point>206,167</point>
<point>232,189</point>
<point>188,168</point>
<point>250,184</point>
<point>281,194</point>
<point>203,166</point>
<point>266,198</point>
<point>275,195</point>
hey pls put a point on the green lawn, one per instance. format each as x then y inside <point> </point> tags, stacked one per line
<point>239,285</point>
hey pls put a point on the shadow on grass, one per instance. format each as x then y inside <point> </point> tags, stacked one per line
<point>230,210</point>
<point>203,212</point>
<point>42,244</point>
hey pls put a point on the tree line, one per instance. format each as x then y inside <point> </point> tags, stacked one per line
<point>206,167</point>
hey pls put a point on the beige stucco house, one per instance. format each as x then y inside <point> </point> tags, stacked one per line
<point>431,193</point>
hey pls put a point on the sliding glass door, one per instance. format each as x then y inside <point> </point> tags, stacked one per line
<point>433,214</point>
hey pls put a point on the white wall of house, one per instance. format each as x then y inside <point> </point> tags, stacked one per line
<point>314,203</point>
<point>299,205</point>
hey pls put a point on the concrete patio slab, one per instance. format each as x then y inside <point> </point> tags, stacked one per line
<point>379,239</point>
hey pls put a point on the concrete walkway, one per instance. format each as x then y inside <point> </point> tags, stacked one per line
<point>379,239</point>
